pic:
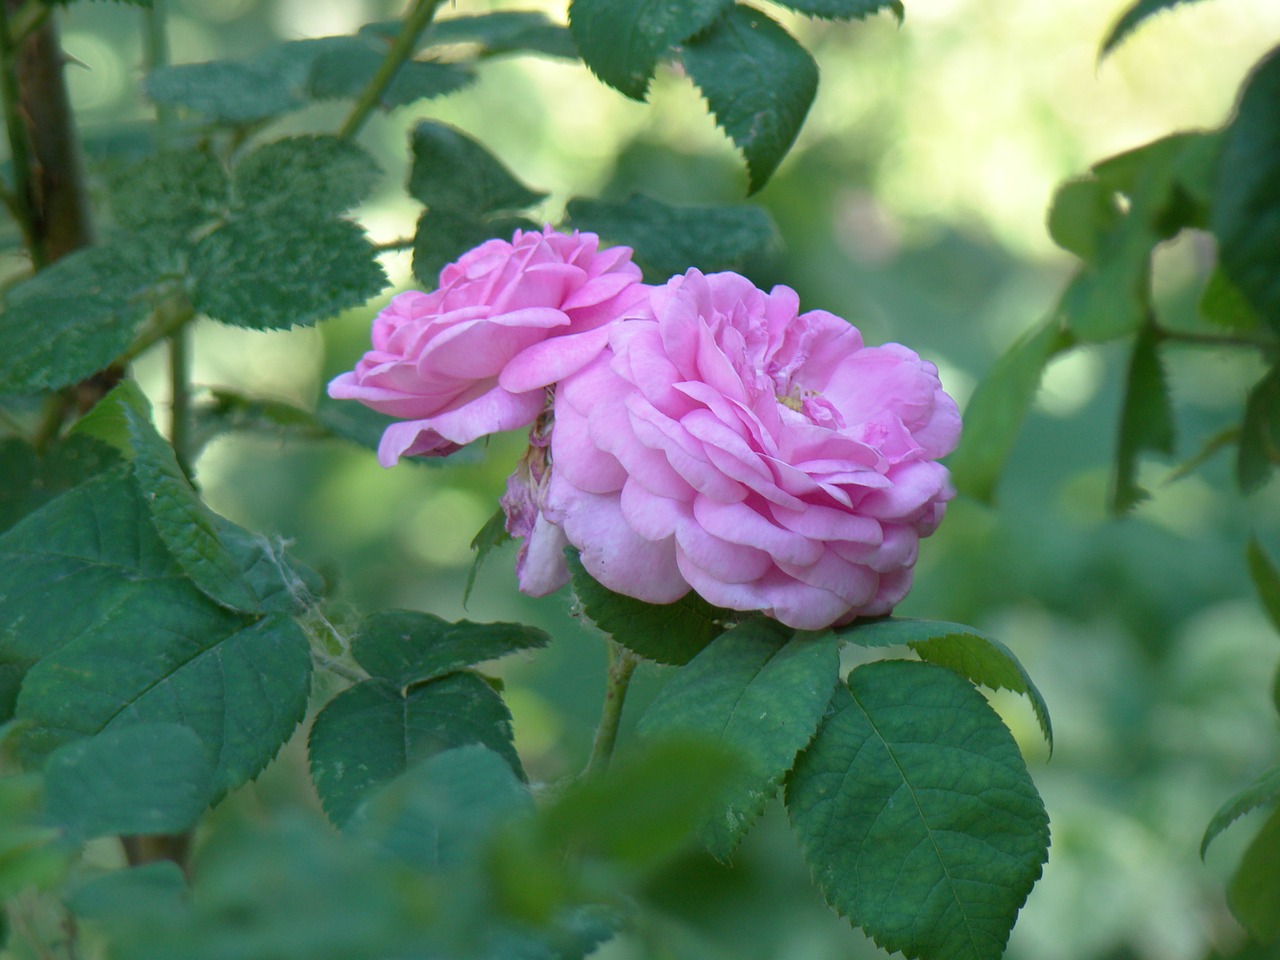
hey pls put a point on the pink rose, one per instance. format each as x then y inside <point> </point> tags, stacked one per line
<point>475,356</point>
<point>767,460</point>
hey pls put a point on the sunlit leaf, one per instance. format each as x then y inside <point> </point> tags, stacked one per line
<point>1246,212</point>
<point>759,692</point>
<point>667,633</point>
<point>916,813</point>
<point>975,656</point>
<point>668,240</point>
<point>998,407</point>
<point>1146,419</point>
<point>148,778</point>
<point>1082,212</point>
<point>370,734</point>
<point>758,82</point>
<point>622,41</point>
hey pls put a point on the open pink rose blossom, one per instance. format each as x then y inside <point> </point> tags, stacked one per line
<point>766,459</point>
<point>475,356</point>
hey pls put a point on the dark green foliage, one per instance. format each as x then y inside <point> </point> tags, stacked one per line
<point>668,240</point>
<point>667,633</point>
<point>759,692</point>
<point>1264,791</point>
<point>1132,17</point>
<point>1246,212</point>
<point>758,82</point>
<point>502,32</point>
<point>345,71</point>
<point>622,41</point>
<point>450,169</point>
<point>33,479</point>
<point>1146,419</point>
<point>174,192</point>
<point>1260,432</point>
<point>304,176</point>
<point>1254,891</point>
<point>146,778</point>
<point>370,734</point>
<point>912,763</point>
<point>844,9</point>
<point>1266,579</point>
<point>443,234</point>
<point>1223,305</point>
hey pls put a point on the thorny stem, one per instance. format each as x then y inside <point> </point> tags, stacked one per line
<point>622,664</point>
<point>19,140</point>
<point>401,49</point>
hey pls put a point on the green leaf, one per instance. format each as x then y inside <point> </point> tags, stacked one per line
<point>623,40</point>
<point>844,9</point>
<point>1266,579</point>
<point>452,170</point>
<point>1264,791</point>
<point>187,527</point>
<point>759,83</point>
<point>999,405</point>
<point>1254,890</point>
<point>1083,211</point>
<point>152,892</point>
<point>1135,14</point>
<point>305,176</point>
<point>759,692</point>
<point>492,534</point>
<point>1222,304</point>
<point>347,71</point>
<point>645,807</point>
<point>266,272</point>
<point>668,240</point>
<point>504,31</point>
<point>916,813</point>
<point>444,234</point>
<point>33,479</point>
<point>667,633</point>
<point>1260,432</point>
<point>31,856</point>
<point>1246,211</point>
<point>440,811</point>
<point>86,306</point>
<point>408,647</point>
<point>370,734</point>
<point>175,192</point>
<point>148,778</point>
<point>270,83</point>
<point>241,686</point>
<point>976,657</point>
<point>118,635</point>
<point>1146,419</point>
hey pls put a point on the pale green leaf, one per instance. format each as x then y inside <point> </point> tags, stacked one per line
<point>758,692</point>
<point>999,405</point>
<point>758,82</point>
<point>916,814</point>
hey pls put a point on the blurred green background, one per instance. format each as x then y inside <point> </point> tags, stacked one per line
<point>913,204</point>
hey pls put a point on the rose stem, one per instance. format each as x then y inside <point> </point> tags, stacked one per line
<point>401,49</point>
<point>622,663</point>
